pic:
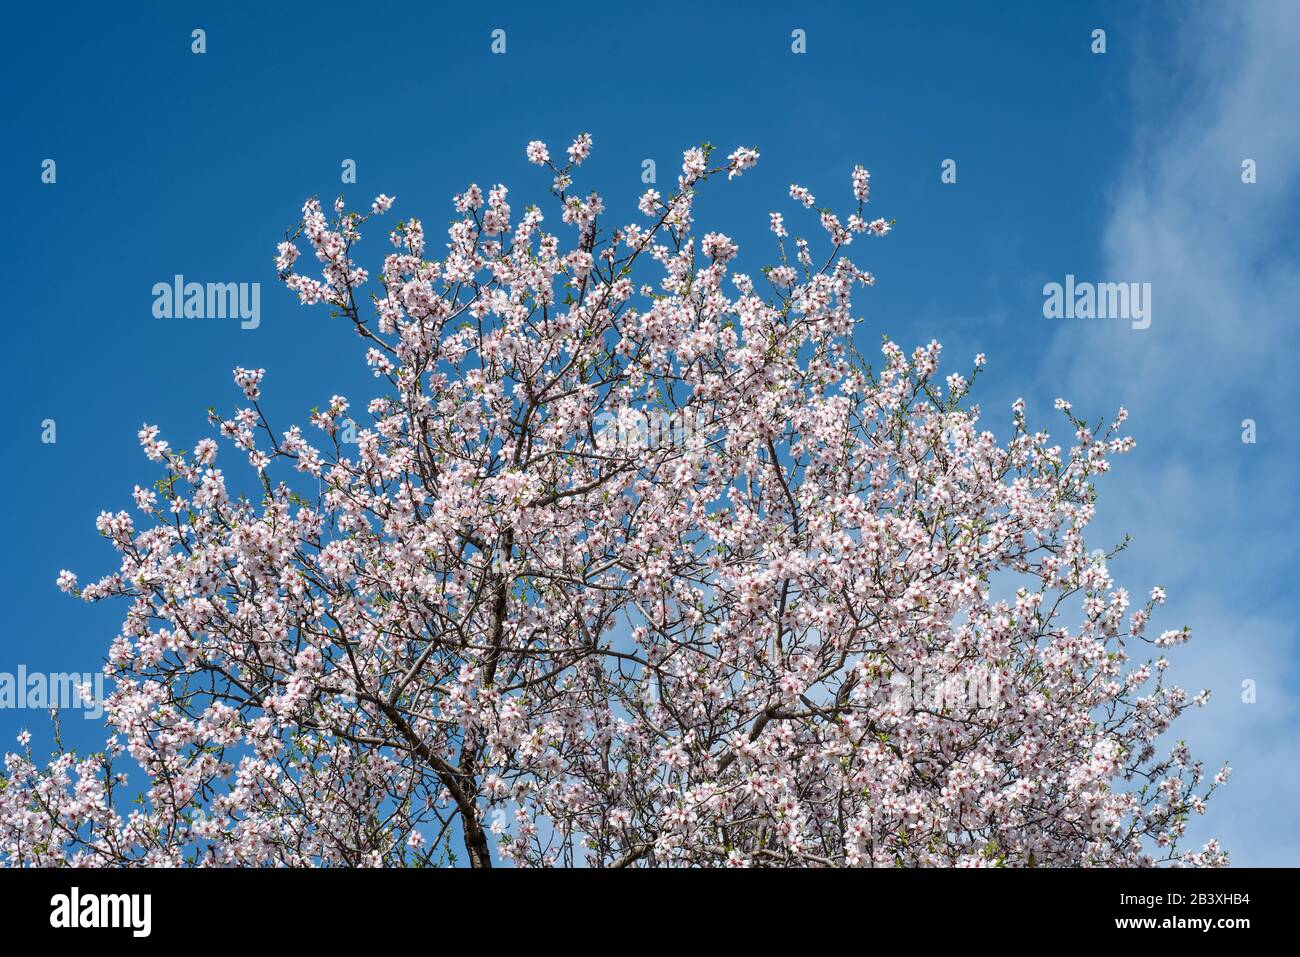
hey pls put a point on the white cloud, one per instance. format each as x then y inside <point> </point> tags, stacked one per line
<point>1213,519</point>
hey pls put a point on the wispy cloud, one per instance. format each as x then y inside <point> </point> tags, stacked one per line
<point>1214,518</point>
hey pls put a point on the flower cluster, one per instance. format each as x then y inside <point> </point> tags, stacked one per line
<point>480,634</point>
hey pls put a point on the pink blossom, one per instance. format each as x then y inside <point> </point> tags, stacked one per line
<point>628,558</point>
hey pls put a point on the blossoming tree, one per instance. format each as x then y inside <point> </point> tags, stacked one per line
<point>500,625</point>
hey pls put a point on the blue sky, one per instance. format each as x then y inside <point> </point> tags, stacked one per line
<point>1123,167</point>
